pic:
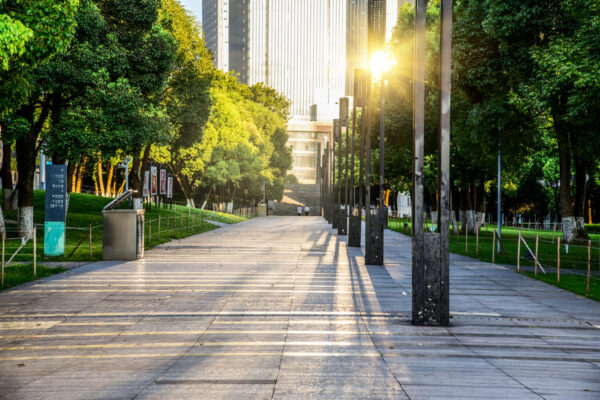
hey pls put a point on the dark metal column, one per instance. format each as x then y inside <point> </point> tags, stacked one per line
<point>420,314</point>
<point>334,193</point>
<point>431,268</point>
<point>344,116</point>
<point>444,160</point>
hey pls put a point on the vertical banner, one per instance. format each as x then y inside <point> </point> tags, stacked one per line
<point>146,182</point>
<point>56,210</point>
<point>170,188</point>
<point>163,181</point>
<point>154,180</point>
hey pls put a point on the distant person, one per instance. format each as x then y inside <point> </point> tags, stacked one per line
<point>306,210</point>
<point>299,211</point>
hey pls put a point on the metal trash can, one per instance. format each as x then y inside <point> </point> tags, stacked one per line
<point>262,210</point>
<point>123,236</point>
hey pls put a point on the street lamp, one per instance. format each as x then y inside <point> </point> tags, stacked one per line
<point>380,63</point>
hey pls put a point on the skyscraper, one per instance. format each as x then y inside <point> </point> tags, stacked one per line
<point>305,49</point>
<point>215,24</point>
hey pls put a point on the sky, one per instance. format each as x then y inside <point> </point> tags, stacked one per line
<point>195,6</point>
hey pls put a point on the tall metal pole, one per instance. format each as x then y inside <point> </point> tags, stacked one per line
<point>443,317</point>
<point>381,146</point>
<point>352,151</point>
<point>334,208</point>
<point>499,209</point>
<point>431,268</point>
<point>418,282</point>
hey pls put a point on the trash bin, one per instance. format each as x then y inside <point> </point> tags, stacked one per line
<point>123,236</point>
<point>262,210</point>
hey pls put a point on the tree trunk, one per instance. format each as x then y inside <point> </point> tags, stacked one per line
<point>71,176</point>
<point>80,172</point>
<point>109,180</point>
<point>101,179</point>
<point>26,147</point>
<point>9,198</point>
<point>463,199</point>
<point>137,178</point>
<point>25,167</point>
<point>580,193</point>
<point>569,224</point>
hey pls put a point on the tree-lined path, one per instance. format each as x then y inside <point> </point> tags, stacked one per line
<point>278,307</point>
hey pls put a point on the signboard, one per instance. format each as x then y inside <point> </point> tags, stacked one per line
<point>154,181</point>
<point>163,181</point>
<point>146,182</point>
<point>56,210</point>
<point>170,187</point>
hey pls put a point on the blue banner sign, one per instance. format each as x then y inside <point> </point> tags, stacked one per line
<point>56,210</point>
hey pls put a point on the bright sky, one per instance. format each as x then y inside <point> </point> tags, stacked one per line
<point>195,6</point>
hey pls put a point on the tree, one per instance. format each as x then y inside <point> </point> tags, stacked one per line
<point>551,55</point>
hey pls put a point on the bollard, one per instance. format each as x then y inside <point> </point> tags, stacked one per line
<point>537,245</point>
<point>34,250</point>
<point>587,290</point>
<point>493,246</point>
<point>519,253</point>
<point>558,259</point>
<point>90,242</point>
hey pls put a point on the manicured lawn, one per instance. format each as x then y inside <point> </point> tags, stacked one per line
<point>575,257</point>
<point>21,273</point>
<point>86,210</point>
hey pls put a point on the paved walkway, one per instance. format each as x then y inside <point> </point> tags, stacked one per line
<point>278,307</point>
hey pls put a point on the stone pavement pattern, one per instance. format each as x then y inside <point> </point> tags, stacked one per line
<point>279,308</point>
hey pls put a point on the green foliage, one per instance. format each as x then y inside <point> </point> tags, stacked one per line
<point>31,32</point>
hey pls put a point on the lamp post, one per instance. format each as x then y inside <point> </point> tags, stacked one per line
<point>343,209</point>
<point>335,160</point>
<point>361,86</point>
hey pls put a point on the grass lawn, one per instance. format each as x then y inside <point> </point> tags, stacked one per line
<point>21,273</point>
<point>86,210</point>
<point>572,283</point>
<point>573,258</point>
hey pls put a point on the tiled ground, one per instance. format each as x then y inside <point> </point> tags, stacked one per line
<point>279,308</point>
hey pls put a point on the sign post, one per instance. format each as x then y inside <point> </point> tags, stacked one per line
<point>56,210</point>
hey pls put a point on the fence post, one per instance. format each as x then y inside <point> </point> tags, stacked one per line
<point>476,242</point>
<point>493,246</point>
<point>3,239</point>
<point>90,242</point>
<point>519,253</point>
<point>558,259</point>
<point>587,289</point>
<point>537,244</point>
<point>159,228</point>
<point>34,250</point>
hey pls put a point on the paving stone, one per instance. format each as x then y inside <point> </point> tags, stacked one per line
<point>281,308</point>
